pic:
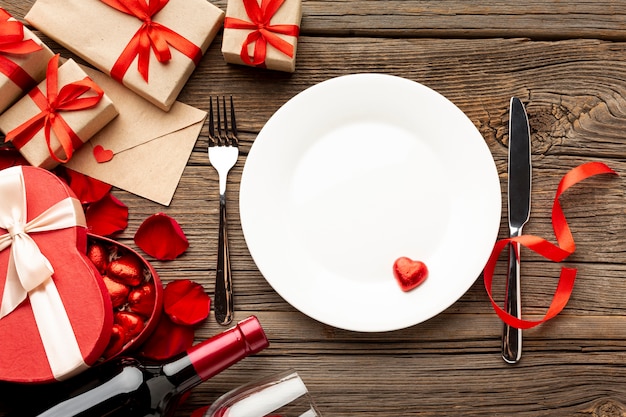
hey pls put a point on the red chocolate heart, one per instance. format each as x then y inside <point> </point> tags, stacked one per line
<point>117,291</point>
<point>116,342</point>
<point>141,300</point>
<point>409,273</point>
<point>99,256</point>
<point>126,269</point>
<point>131,323</point>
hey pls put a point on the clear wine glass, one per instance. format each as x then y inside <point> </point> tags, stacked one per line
<point>279,395</point>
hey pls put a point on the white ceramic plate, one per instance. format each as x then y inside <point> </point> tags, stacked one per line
<point>355,172</point>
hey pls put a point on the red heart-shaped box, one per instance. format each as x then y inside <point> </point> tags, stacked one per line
<point>84,297</point>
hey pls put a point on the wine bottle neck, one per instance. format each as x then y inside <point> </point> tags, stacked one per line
<point>220,352</point>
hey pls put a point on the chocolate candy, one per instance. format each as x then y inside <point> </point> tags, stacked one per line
<point>131,289</point>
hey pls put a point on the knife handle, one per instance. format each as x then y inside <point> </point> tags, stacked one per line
<point>511,336</point>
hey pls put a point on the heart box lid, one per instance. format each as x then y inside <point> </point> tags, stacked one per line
<point>52,325</point>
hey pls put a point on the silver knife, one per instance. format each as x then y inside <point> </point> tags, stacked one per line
<point>519,211</point>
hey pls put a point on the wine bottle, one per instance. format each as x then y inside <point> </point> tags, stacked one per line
<point>128,387</point>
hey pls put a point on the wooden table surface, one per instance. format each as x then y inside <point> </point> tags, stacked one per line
<point>567,62</point>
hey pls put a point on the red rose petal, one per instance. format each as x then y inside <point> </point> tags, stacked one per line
<point>87,189</point>
<point>141,300</point>
<point>167,340</point>
<point>160,236</point>
<point>107,216</point>
<point>186,302</point>
<point>199,412</point>
<point>10,157</point>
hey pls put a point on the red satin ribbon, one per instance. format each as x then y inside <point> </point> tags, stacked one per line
<point>71,97</point>
<point>150,36</point>
<point>262,31</point>
<point>12,43</point>
<point>566,247</point>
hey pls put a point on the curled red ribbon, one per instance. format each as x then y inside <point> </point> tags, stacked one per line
<point>12,43</point>
<point>71,97</point>
<point>150,36</point>
<point>262,31</point>
<point>555,253</point>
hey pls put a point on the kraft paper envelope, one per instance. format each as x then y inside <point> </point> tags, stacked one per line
<point>150,147</point>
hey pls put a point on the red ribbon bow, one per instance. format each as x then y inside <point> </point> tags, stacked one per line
<point>71,97</point>
<point>150,36</point>
<point>566,247</point>
<point>263,32</point>
<point>12,43</point>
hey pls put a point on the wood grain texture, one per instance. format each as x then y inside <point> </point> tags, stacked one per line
<point>565,60</point>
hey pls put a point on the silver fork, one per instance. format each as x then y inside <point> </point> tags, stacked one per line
<point>223,153</point>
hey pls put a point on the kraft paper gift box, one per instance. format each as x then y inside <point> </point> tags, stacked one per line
<point>109,39</point>
<point>79,125</point>
<point>23,60</point>
<point>55,313</point>
<point>262,33</point>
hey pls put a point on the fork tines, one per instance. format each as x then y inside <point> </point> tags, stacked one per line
<point>220,134</point>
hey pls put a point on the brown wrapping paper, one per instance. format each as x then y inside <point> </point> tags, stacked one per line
<point>85,123</point>
<point>150,147</point>
<point>34,64</point>
<point>99,33</point>
<point>290,13</point>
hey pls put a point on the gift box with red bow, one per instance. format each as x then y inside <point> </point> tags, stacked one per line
<point>58,116</point>
<point>23,60</point>
<point>55,312</point>
<point>151,46</point>
<point>262,33</point>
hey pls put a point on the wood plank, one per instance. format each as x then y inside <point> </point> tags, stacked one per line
<point>566,61</point>
<point>414,18</point>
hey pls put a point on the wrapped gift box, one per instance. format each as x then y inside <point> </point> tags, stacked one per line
<point>58,323</point>
<point>108,39</point>
<point>274,23</point>
<point>23,60</point>
<point>84,123</point>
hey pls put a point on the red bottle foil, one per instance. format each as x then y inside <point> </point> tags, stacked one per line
<point>210,359</point>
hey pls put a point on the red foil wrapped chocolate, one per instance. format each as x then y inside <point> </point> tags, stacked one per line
<point>55,314</point>
<point>135,290</point>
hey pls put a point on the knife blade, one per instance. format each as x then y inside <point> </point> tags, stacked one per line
<point>519,189</point>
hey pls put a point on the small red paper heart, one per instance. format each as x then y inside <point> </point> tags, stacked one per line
<point>409,273</point>
<point>101,154</point>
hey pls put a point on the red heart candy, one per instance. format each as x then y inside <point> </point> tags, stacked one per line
<point>116,342</point>
<point>98,254</point>
<point>409,273</point>
<point>126,269</point>
<point>117,291</point>
<point>101,154</point>
<point>141,300</point>
<point>131,323</point>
